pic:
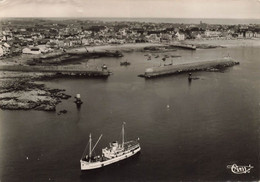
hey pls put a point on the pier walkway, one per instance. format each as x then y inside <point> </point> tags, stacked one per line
<point>189,67</point>
<point>58,69</point>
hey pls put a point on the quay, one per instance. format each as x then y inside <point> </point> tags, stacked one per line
<point>62,70</point>
<point>189,67</point>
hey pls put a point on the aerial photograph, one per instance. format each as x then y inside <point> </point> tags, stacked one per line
<point>129,90</point>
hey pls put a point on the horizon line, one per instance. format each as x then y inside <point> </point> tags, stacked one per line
<point>131,17</point>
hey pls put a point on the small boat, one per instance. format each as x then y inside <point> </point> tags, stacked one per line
<point>125,63</point>
<point>169,64</point>
<point>114,153</point>
<point>175,56</point>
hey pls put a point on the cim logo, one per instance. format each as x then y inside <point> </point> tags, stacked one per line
<point>240,169</point>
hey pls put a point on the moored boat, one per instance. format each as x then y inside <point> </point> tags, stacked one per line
<point>114,153</point>
<point>125,63</point>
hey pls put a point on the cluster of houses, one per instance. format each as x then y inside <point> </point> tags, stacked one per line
<point>41,38</point>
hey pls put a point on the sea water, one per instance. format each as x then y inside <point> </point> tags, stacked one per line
<point>188,130</point>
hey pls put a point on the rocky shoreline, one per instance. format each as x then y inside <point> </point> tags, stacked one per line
<point>69,57</point>
<point>17,94</point>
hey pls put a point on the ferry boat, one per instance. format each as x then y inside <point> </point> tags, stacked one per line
<point>114,153</point>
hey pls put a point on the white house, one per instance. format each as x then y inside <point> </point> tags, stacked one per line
<point>249,34</point>
<point>85,41</point>
<point>43,48</point>
<point>153,38</point>
<point>209,33</point>
<point>240,35</point>
<point>257,34</point>
<point>1,51</point>
<point>180,36</point>
<point>198,36</point>
<point>5,49</point>
<point>7,45</point>
<point>31,50</point>
<point>123,32</point>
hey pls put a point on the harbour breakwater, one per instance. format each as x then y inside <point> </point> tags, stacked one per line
<point>60,70</point>
<point>22,93</point>
<point>189,67</point>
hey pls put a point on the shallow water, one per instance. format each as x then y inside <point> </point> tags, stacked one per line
<point>188,130</point>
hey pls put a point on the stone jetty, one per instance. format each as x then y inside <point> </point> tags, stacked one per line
<point>62,70</point>
<point>189,67</point>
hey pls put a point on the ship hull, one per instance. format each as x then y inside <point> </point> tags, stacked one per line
<point>99,164</point>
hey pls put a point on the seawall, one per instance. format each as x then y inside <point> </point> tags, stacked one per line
<point>68,71</point>
<point>189,67</point>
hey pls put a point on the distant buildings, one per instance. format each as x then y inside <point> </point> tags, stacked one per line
<point>209,33</point>
<point>43,36</point>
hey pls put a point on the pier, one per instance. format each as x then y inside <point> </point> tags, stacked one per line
<point>188,67</point>
<point>63,70</point>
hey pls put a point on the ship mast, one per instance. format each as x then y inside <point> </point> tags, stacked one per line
<point>96,143</point>
<point>123,134</point>
<point>90,152</point>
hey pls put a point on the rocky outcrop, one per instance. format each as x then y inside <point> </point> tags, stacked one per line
<point>25,95</point>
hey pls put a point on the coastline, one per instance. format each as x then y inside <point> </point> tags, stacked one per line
<point>140,46</point>
<point>226,42</point>
<point>19,91</point>
<point>24,94</point>
<point>135,47</point>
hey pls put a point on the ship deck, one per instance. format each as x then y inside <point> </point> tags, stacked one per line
<point>130,144</point>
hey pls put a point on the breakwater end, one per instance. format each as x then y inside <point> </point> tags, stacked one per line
<point>189,67</point>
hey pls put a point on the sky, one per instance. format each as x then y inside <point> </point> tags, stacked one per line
<point>241,9</point>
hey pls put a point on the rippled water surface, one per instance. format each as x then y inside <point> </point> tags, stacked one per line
<point>188,131</point>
